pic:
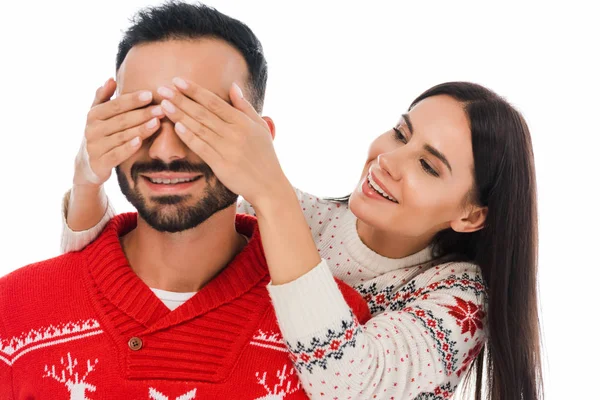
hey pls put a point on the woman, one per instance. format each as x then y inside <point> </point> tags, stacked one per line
<point>439,236</point>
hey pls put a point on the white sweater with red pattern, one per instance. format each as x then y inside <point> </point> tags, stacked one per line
<point>428,319</point>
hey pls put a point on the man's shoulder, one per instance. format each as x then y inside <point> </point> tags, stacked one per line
<point>40,294</point>
<point>41,273</point>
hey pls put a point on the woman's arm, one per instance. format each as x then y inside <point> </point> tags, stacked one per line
<point>422,344</point>
<point>289,246</point>
<point>86,205</point>
<point>85,214</point>
<point>237,143</point>
<point>99,154</point>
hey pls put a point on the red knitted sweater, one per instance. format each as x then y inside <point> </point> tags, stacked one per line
<point>84,326</point>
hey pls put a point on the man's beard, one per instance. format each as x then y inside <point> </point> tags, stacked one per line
<point>180,217</point>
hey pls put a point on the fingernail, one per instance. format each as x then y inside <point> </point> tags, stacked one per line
<point>167,105</point>
<point>180,83</point>
<point>107,82</point>
<point>152,123</point>
<point>157,111</point>
<point>238,90</point>
<point>165,92</point>
<point>145,96</point>
<point>135,141</point>
<point>179,128</point>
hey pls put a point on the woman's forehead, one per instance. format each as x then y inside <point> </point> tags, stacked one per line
<point>442,122</point>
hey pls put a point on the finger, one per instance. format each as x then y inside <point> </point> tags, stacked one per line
<point>211,138</point>
<point>239,101</point>
<point>209,100</point>
<point>121,104</point>
<point>121,153</point>
<point>143,131</point>
<point>122,122</point>
<point>177,115</point>
<point>104,92</point>
<point>191,110</point>
<point>198,145</point>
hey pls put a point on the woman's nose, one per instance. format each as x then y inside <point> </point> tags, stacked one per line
<point>389,165</point>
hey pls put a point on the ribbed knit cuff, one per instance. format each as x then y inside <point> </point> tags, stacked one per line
<point>309,305</point>
<point>75,241</point>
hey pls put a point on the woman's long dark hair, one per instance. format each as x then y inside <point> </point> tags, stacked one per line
<point>509,366</point>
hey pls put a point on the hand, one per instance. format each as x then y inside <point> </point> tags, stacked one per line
<point>114,131</point>
<point>234,141</point>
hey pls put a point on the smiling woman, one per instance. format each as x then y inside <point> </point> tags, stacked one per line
<point>469,170</point>
<point>426,164</point>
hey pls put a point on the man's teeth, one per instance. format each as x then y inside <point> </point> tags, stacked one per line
<point>379,190</point>
<point>171,181</point>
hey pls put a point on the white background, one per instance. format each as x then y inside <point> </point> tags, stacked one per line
<point>340,74</point>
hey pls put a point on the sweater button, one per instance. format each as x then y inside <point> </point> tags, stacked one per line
<point>135,343</point>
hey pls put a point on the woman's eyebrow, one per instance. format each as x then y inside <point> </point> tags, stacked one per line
<point>406,119</point>
<point>436,153</point>
<point>429,148</point>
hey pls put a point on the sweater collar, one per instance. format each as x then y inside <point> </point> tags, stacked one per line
<point>116,282</point>
<point>373,261</point>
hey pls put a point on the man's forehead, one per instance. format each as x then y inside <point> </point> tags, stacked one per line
<point>212,63</point>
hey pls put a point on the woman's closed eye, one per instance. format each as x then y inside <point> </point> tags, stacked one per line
<point>399,135</point>
<point>428,169</point>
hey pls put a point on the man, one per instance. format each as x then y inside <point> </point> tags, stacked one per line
<point>169,303</point>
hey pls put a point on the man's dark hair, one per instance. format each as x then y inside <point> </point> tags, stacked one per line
<point>178,20</point>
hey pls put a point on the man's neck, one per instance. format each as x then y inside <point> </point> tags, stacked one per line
<point>184,261</point>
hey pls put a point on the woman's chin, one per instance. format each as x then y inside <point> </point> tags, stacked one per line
<point>367,212</point>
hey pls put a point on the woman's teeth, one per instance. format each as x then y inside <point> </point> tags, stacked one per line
<point>379,190</point>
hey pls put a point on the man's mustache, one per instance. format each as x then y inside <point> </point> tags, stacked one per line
<point>174,166</point>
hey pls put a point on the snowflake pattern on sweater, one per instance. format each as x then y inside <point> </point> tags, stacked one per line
<point>428,320</point>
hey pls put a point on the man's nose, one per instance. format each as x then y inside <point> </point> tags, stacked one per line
<point>166,145</point>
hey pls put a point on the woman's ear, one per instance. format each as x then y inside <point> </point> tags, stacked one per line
<point>472,221</point>
<point>271,125</point>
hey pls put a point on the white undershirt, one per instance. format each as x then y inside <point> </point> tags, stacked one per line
<point>172,299</point>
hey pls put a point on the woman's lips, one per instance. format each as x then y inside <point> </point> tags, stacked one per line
<point>368,191</point>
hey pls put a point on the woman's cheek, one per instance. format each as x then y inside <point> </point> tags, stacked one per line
<point>420,195</point>
<point>414,192</point>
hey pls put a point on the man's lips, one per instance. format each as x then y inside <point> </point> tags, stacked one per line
<point>171,175</point>
<point>170,183</point>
